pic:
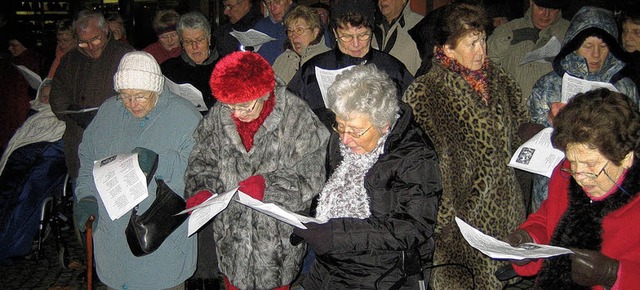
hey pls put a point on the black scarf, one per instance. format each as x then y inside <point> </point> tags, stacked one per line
<point>581,227</point>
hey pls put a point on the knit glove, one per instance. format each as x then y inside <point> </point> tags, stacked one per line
<point>253,186</point>
<point>517,238</point>
<point>198,198</point>
<point>318,236</point>
<point>84,208</point>
<point>591,268</point>
<point>148,162</point>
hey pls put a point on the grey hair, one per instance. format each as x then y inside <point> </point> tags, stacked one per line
<point>193,20</point>
<point>85,16</point>
<point>366,90</point>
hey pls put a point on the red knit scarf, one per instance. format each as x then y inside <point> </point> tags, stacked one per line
<point>247,130</point>
<point>477,79</point>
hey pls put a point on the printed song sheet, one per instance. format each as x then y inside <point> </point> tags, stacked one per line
<point>544,54</point>
<point>120,183</point>
<point>497,249</point>
<point>572,85</point>
<point>325,78</point>
<point>537,155</point>
<point>189,92</point>
<point>251,38</point>
<point>32,78</point>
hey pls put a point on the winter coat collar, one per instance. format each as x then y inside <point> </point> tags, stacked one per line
<point>345,60</point>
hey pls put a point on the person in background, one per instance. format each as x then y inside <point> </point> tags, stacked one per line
<point>116,26</point>
<point>168,44</point>
<point>84,79</point>
<point>352,24</point>
<point>261,137</point>
<point>197,59</point>
<point>147,119</point>
<point>14,92</point>
<point>499,13</point>
<point>472,110</point>
<point>22,47</point>
<point>273,26</point>
<point>380,203</point>
<point>593,204</point>
<point>322,9</point>
<point>242,16</point>
<point>65,41</point>
<point>631,39</point>
<point>590,51</point>
<point>393,35</point>
<point>305,40</point>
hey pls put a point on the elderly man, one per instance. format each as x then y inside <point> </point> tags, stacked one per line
<point>631,39</point>
<point>274,27</point>
<point>84,80</point>
<point>243,15</point>
<point>510,42</point>
<point>393,36</point>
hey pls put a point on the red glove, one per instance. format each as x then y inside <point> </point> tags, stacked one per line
<point>198,198</point>
<point>253,186</point>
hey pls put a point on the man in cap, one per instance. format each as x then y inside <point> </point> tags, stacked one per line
<point>243,15</point>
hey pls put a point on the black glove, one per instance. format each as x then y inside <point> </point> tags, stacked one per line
<point>84,208</point>
<point>591,268</point>
<point>82,119</point>
<point>517,238</point>
<point>318,236</point>
<point>526,131</point>
<point>148,162</point>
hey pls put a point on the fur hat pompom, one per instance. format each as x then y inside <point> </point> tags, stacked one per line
<point>138,70</point>
<point>241,77</point>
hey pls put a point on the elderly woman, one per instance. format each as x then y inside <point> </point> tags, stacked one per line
<point>168,44</point>
<point>198,57</point>
<point>593,204</point>
<point>305,40</point>
<point>146,118</point>
<point>266,140</point>
<point>591,52</point>
<point>352,22</point>
<point>380,203</point>
<point>65,41</point>
<point>472,110</point>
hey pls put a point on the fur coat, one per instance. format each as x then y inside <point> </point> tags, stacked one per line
<point>474,142</point>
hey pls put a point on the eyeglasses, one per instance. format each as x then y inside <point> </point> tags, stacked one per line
<point>168,35</point>
<point>297,31</point>
<point>94,41</point>
<point>198,41</point>
<point>353,134</point>
<point>139,98</point>
<point>273,2</point>
<point>244,110</point>
<point>230,7</point>
<point>589,175</point>
<point>349,37</point>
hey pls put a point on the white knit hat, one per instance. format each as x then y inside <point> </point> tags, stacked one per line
<point>138,70</point>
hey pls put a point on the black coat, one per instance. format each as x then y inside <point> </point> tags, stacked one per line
<point>404,189</point>
<point>181,71</point>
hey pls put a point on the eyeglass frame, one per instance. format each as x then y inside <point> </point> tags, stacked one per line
<point>241,110</point>
<point>137,98</point>
<point>230,7</point>
<point>352,133</point>
<point>588,175</point>
<point>274,2</point>
<point>297,31</point>
<point>96,40</point>
<point>351,37</point>
<point>198,41</point>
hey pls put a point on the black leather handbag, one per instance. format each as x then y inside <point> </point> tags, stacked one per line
<point>145,233</point>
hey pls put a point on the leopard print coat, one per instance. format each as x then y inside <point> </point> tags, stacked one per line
<point>475,142</point>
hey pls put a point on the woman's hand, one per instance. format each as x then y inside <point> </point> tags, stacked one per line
<point>591,268</point>
<point>318,236</point>
<point>517,238</point>
<point>554,109</point>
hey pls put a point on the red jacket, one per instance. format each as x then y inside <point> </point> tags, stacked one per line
<point>620,238</point>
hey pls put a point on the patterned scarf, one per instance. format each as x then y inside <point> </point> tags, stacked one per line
<point>247,130</point>
<point>477,79</point>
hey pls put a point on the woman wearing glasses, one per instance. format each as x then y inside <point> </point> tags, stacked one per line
<point>593,204</point>
<point>305,40</point>
<point>352,22</point>
<point>378,208</point>
<point>264,139</point>
<point>146,118</point>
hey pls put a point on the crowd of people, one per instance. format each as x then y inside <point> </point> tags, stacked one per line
<point>378,123</point>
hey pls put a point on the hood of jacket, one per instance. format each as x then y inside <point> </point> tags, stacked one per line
<point>591,21</point>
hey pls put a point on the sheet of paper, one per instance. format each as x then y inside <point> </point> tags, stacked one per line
<point>32,78</point>
<point>79,111</point>
<point>120,183</point>
<point>544,54</point>
<point>189,92</point>
<point>325,78</point>
<point>537,155</point>
<point>572,85</point>
<point>497,249</point>
<point>272,210</point>
<point>205,211</point>
<point>252,38</point>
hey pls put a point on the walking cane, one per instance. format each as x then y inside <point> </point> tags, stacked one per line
<point>89,237</point>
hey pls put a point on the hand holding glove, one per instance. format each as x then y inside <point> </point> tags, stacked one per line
<point>517,238</point>
<point>591,268</point>
<point>253,186</point>
<point>318,236</point>
<point>148,162</point>
<point>84,208</point>
<point>198,198</point>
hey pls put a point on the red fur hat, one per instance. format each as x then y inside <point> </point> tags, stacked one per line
<point>241,77</point>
